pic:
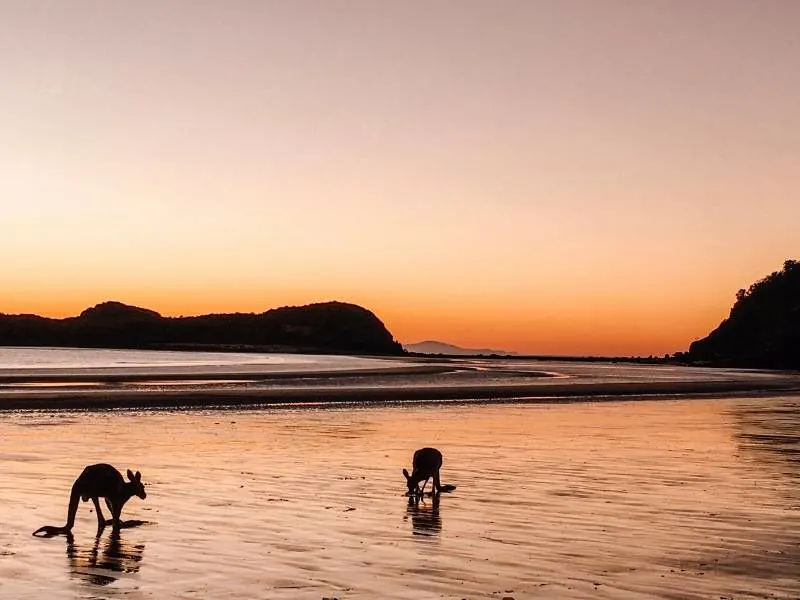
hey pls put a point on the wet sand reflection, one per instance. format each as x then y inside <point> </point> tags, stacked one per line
<point>678,500</point>
<point>104,562</point>
<point>770,433</point>
<point>424,514</point>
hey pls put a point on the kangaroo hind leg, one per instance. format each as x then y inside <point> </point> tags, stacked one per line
<point>50,530</point>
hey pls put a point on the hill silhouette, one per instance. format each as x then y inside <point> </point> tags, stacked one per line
<point>763,329</point>
<point>435,347</point>
<point>331,327</point>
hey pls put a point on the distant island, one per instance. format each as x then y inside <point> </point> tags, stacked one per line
<point>762,330</point>
<point>434,347</point>
<point>329,327</point>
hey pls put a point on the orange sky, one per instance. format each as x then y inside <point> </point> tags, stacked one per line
<point>580,177</point>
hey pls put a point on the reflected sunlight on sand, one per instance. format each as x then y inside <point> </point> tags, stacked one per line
<point>675,499</point>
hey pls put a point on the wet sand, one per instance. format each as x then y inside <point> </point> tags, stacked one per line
<point>668,499</point>
<point>94,398</point>
<point>376,381</point>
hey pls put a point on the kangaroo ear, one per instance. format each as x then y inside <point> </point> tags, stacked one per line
<point>406,474</point>
<point>130,475</point>
<point>138,477</point>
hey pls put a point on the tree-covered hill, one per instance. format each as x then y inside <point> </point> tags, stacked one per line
<point>763,328</point>
<point>334,327</point>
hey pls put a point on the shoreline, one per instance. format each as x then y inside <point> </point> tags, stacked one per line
<point>94,399</point>
<point>111,375</point>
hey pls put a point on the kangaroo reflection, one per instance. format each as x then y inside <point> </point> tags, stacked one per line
<point>425,519</point>
<point>101,565</point>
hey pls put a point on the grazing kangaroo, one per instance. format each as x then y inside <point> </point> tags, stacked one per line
<point>100,481</point>
<point>426,464</point>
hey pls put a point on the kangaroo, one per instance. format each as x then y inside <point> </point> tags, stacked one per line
<point>425,464</point>
<point>100,481</point>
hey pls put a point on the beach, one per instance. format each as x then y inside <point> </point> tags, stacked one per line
<point>649,499</point>
<point>81,379</point>
<point>280,476</point>
<point>267,265</point>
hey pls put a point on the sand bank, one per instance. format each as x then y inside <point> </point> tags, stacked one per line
<point>103,398</point>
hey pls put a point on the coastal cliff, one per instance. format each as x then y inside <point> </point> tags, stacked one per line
<point>330,327</point>
<point>763,328</point>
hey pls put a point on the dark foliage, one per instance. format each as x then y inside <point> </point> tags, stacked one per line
<point>334,327</point>
<point>763,329</point>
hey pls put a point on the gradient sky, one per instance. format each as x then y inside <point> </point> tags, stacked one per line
<point>580,177</point>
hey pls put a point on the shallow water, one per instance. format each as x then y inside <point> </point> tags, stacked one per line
<point>669,499</point>
<point>76,360</point>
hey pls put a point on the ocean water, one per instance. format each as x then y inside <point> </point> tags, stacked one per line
<point>69,360</point>
<point>683,499</point>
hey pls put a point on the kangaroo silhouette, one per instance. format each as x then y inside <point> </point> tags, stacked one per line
<point>94,482</point>
<point>425,464</point>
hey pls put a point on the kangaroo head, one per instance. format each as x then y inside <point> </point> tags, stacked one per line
<point>411,482</point>
<point>137,487</point>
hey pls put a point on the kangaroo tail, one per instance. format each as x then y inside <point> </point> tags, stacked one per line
<point>51,530</point>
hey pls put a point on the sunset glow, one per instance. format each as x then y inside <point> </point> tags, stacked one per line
<point>585,177</point>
